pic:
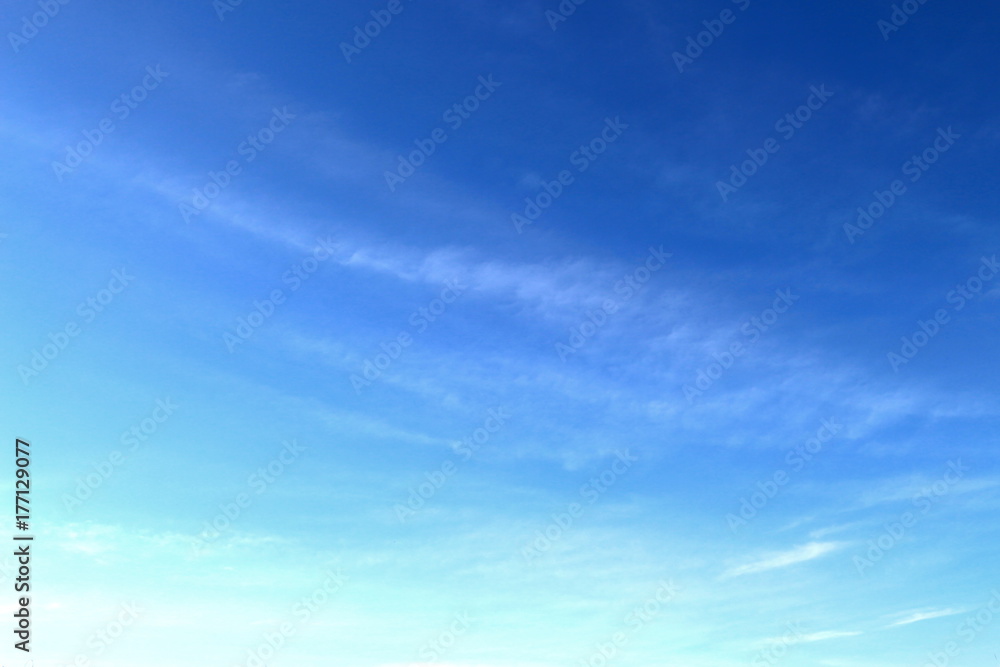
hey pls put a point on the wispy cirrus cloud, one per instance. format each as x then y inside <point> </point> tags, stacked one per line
<point>777,560</point>
<point>807,638</point>
<point>917,616</point>
<point>828,634</point>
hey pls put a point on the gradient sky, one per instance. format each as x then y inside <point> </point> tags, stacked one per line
<point>720,483</point>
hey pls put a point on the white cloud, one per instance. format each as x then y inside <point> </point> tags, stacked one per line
<point>917,616</point>
<point>809,637</point>
<point>800,554</point>
<point>828,634</point>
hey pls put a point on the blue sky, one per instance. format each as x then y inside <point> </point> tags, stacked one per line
<point>616,372</point>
